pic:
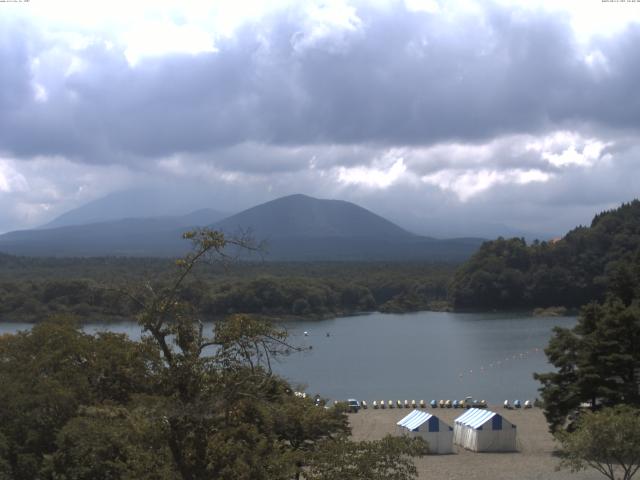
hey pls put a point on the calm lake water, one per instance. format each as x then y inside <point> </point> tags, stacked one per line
<point>424,355</point>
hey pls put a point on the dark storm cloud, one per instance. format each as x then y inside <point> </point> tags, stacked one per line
<point>400,78</point>
<point>15,87</point>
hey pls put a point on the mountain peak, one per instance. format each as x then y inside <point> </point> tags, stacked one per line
<point>300,215</point>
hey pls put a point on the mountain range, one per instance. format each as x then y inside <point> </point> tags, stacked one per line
<point>293,228</point>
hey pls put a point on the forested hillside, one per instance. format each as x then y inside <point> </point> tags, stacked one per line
<point>31,289</point>
<point>570,272</point>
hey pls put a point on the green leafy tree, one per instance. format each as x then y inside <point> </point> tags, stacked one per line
<point>598,362</point>
<point>304,426</point>
<point>223,407</point>
<point>607,441</point>
<point>386,459</point>
<point>108,442</point>
<point>48,373</point>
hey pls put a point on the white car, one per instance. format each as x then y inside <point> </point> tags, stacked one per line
<point>353,405</point>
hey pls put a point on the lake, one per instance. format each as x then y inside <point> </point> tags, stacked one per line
<point>423,355</point>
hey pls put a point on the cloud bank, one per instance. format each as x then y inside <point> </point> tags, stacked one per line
<point>449,118</point>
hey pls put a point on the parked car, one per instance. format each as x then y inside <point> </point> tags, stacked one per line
<point>353,405</point>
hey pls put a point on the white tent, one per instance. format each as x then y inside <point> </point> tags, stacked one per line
<point>484,431</point>
<point>438,434</point>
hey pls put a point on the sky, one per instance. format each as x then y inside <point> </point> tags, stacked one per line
<point>452,118</point>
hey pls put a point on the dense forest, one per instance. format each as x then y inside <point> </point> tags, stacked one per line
<point>95,288</point>
<point>569,272</point>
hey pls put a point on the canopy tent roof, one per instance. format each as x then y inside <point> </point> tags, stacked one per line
<point>414,420</point>
<point>417,418</point>
<point>476,417</point>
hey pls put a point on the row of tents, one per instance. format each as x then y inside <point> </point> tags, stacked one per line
<point>476,430</point>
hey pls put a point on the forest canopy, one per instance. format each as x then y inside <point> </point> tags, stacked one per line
<point>33,288</point>
<point>569,272</point>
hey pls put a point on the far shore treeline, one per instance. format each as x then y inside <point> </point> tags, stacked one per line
<point>504,274</point>
<point>91,288</point>
<point>569,272</point>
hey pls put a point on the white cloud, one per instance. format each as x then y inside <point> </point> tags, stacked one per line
<point>564,148</point>
<point>161,38</point>
<point>372,177</point>
<point>469,183</point>
<point>429,6</point>
<point>588,18</point>
<point>10,179</point>
<point>330,20</point>
<point>40,93</point>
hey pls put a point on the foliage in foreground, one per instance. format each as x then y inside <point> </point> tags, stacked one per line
<point>182,403</point>
<point>607,441</point>
<point>386,459</point>
<point>597,362</point>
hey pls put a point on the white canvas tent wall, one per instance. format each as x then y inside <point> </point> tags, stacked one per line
<point>484,431</point>
<point>438,434</point>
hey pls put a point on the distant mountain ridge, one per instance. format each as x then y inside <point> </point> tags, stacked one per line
<point>303,216</point>
<point>136,203</point>
<point>295,228</point>
<point>159,236</point>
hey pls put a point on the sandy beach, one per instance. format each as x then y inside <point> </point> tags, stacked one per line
<point>534,459</point>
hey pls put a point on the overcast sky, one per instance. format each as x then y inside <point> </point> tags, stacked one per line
<point>449,117</point>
